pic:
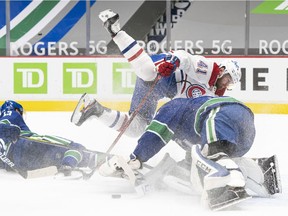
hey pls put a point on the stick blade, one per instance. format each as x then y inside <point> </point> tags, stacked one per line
<point>43,172</point>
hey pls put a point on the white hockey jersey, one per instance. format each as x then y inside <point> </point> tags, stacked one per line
<point>195,76</point>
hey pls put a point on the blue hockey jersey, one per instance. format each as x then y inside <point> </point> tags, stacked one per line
<point>14,117</point>
<point>198,121</point>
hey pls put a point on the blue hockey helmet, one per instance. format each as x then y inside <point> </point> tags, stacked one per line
<point>12,105</point>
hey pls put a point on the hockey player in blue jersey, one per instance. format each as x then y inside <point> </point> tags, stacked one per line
<point>182,76</point>
<point>28,150</point>
<point>213,130</point>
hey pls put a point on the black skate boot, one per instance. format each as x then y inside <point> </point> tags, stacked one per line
<point>86,108</point>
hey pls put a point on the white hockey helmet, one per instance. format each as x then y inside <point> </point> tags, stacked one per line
<point>231,67</point>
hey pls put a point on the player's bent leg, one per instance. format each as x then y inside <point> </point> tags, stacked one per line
<point>136,128</point>
<point>142,63</point>
<point>133,52</point>
<point>118,121</point>
<point>90,108</point>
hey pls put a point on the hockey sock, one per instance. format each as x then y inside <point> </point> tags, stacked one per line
<point>113,119</point>
<point>134,53</point>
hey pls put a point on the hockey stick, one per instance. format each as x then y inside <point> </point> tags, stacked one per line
<point>9,163</point>
<point>42,172</point>
<point>126,125</point>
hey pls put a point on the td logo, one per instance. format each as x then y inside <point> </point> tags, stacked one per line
<point>79,78</point>
<point>272,7</point>
<point>30,78</point>
<point>124,78</point>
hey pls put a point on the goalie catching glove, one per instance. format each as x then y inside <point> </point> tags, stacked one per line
<point>169,65</point>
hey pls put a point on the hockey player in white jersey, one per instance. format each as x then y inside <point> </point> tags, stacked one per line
<point>182,76</point>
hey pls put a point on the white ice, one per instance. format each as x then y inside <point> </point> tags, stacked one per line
<point>47,196</point>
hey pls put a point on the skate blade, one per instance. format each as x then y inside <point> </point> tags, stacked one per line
<point>83,102</point>
<point>42,172</point>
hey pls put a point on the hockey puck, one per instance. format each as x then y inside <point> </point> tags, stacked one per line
<point>116,196</point>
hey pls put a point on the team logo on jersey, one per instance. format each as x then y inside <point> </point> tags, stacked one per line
<point>194,91</point>
<point>202,64</point>
<point>201,67</point>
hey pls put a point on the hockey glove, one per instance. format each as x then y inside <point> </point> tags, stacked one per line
<point>169,65</point>
<point>9,133</point>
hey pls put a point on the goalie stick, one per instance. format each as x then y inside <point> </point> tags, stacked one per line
<point>36,173</point>
<point>11,165</point>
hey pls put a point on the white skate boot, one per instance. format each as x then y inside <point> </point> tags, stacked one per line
<point>111,21</point>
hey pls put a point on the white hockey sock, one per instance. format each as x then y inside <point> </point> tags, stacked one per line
<point>134,53</point>
<point>113,119</point>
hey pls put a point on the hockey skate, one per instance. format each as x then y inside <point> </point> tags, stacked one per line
<point>111,21</point>
<point>221,198</point>
<point>270,169</point>
<point>86,108</point>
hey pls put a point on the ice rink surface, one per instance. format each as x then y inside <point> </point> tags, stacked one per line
<point>47,196</point>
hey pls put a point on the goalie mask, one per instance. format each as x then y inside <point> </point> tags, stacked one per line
<point>12,105</point>
<point>232,68</point>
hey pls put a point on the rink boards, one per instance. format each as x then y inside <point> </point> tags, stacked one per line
<point>56,83</point>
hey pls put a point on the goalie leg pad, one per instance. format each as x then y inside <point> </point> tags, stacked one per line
<point>261,174</point>
<point>270,168</point>
<point>207,172</point>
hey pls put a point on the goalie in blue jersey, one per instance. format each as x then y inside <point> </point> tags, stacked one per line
<point>22,150</point>
<point>215,132</point>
